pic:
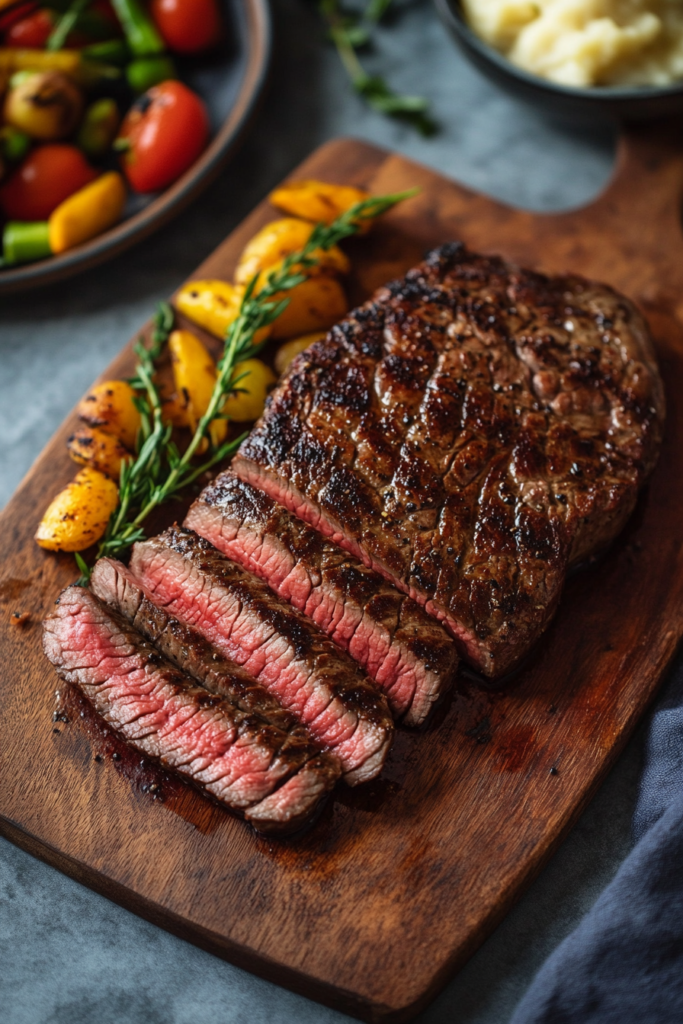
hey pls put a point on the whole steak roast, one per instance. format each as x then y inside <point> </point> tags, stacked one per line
<point>470,433</point>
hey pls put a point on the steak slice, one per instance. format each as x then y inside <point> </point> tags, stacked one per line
<point>241,763</point>
<point>470,433</point>
<point>189,651</point>
<point>282,649</point>
<point>404,650</point>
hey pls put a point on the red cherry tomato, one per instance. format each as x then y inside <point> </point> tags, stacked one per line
<point>166,129</point>
<point>8,18</point>
<point>31,32</point>
<point>188,26</point>
<point>48,176</point>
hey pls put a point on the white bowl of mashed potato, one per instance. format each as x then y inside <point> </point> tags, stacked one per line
<point>622,57</point>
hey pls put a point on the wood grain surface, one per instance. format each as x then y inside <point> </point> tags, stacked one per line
<point>398,882</point>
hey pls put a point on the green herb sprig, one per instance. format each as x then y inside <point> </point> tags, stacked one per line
<point>159,472</point>
<point>350,31</point>
<point>66,22</point>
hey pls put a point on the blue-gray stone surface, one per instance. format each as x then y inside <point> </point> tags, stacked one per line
<point>68,956</point>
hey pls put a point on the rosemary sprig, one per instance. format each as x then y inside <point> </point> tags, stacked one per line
<point>349,32</point>
<point>159,472</point>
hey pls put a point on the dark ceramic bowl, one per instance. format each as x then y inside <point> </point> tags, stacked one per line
<point>595,103</point>
<point>229,82</point>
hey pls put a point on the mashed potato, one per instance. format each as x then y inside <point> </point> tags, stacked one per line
<point>586,42</point>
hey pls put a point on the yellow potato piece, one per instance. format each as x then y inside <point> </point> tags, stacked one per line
<point>88,212</point>
<point>314,305</point>
<point>269,247</point>
<point>213,305</point>
<point>194,373</point>
<point>110,405</point>
<point>317,200</point>
<point>173,408</point>
<point>291,349</point>
<point>247,403</point>
<point>92,446</point>
<point>78,516</point>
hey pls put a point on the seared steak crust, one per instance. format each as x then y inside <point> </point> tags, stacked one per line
<point>275,643</point>
<point>405,651</point>
<point>239,761</point>
<point>470,432</point>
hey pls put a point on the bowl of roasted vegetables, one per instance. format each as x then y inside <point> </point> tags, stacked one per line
<point>114,115</point>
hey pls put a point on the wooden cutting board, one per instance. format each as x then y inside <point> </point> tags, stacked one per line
<point>400,880</point>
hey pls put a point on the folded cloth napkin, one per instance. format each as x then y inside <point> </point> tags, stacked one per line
<point>624,962</point>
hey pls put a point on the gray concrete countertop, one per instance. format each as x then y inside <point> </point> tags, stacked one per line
<point>67,955</point>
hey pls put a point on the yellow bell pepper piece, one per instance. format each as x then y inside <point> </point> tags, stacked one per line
<point>194,373</point>
<point>88,212</point>
<point>253,381</point>
<point>69,62</point>
<point>20,59</point>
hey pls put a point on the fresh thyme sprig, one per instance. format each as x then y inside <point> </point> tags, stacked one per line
<point>159,472</point>
<point>349,31</point>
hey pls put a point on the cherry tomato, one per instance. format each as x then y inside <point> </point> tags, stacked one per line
<point>48,176</point>
<point>31,32</point>
<point>188,26</point>
<point>165,131</point>
<point>8,18</point>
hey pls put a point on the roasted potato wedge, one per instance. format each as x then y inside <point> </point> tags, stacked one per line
<point>269,246</point>
<point>314,305</point>
<point>110,405</point>
<point>173,407</point>
<point>287,352</point>
<point>92,446</point>
<point>78,516</point>
<point>194,373</point>
<point>254,380</point>
<point>317,200</point>
<point>213,305</point>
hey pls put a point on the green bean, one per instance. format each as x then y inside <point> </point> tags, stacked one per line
<point>139,29</point>
<point>24,241</point>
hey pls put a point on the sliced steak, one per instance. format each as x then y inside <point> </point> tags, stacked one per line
<point>281,648</point>
<point>242,763</point>
<point>469,433</point>
<point>405,651</point>
<point>189,651</point>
